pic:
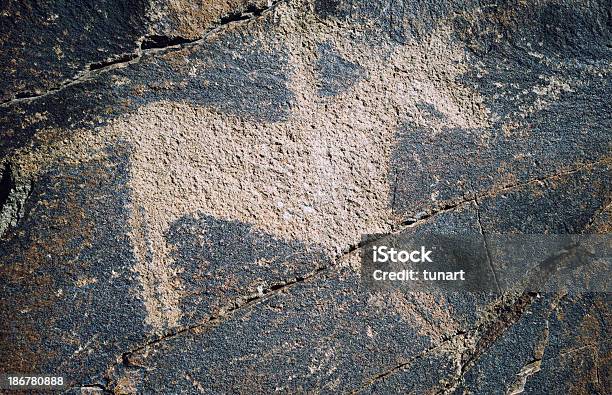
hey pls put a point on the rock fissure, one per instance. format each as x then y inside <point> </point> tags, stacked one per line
<point>426,214</point>
<point>486,244</point>
<point>478,341</point>
<point>402,366</point>
<point>124,58</point>
<point>149,44</point>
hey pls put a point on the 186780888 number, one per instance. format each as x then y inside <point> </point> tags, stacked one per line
<point>31,381</point>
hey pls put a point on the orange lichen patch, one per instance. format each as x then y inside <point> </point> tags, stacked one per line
<point>28,358</point>
<point>507,180</point>
<point>85,281</point>
<point>505,176</point>
<point>53,249</point>
<point>589,330</point>
<point>127,384</point>
<point>583,379</point>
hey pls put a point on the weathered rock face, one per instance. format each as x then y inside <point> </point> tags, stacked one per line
<point>185,186</point>
<point>48,45</point>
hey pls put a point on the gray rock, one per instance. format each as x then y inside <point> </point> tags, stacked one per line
<point>185,189</point>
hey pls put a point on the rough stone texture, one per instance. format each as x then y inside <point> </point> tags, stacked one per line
<point>45,46</point>
<point>185,186</point>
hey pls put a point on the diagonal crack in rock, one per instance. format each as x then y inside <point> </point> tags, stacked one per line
<point>149,44</point>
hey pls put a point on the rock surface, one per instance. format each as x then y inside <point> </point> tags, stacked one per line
<point>185,187</point>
